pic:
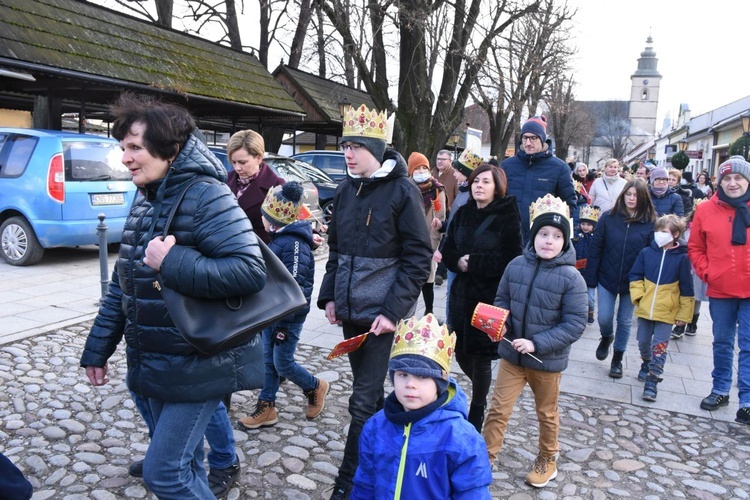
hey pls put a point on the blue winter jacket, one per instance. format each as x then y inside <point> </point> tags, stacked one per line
<point>669,203</point>
<point>292,244</point>
<point>613,250</point>
<point>532,176</point>
<point>216,255</point>
<point>443,456</point>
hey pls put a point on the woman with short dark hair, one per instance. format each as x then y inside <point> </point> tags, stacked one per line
<point>211,252</point>
<point>483,237</point>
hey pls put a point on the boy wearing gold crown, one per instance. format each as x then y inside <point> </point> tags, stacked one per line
<point>378,261</point>
<point>420,445</point>
<point>588,218</point>
<point>291,241</point>
<point>546,297</point>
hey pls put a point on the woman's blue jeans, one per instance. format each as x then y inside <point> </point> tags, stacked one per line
<point>606,316</point>
<point>173,469</point>
<point>219,433</point>
<point>279,361</point>
<point>731,317</point>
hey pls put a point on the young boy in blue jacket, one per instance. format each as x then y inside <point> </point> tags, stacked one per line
<point>291,241</point>
<point>589,216</point>
<point>661,288</point>
<point>420,445</point>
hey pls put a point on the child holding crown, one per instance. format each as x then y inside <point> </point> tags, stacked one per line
<point>546,298</point>
<point>420,444</point>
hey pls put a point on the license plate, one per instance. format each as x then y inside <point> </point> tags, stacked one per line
<point>107,199</point>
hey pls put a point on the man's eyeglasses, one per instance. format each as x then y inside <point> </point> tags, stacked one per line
<point>443,159</point>
<point>529,138</point>
<point>660,180</point>
<point>353,146</point>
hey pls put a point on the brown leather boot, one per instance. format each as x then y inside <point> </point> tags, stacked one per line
<point>316,399</point>
<point>264,416</point>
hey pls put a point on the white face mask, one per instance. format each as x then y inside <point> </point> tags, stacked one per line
<point>663,238</point>
<point>421,177</point>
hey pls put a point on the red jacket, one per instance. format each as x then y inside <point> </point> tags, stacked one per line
<point>725,267</point>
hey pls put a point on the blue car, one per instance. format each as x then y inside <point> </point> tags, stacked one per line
<point>53,185</point>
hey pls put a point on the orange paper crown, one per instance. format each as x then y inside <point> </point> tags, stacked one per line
<point>425,337</point>
<point>364,122</point>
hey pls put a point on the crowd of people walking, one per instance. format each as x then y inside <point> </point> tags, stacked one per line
<point>554,245</point>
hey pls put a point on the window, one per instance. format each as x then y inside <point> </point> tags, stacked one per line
<point>94,161</point>
<point>19,150</point>
<point>644,94</point>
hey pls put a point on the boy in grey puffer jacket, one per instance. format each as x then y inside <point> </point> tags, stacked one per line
<point>546,297</point>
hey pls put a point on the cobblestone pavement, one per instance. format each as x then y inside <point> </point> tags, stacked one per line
<point>74,441</point>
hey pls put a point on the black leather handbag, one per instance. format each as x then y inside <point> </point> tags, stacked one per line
<point>214,325</point>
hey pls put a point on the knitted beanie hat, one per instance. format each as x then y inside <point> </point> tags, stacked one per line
<point>283,203</point>
<point>659,173</point>
<point>417,160</point>
<point>536,125</point>
<point>419,366</point>
<point>734,165</point>
<point>373,145</point>
<point>550,211</point>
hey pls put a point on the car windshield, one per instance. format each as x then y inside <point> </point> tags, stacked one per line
<point>94,161</point>
<point>287,169</point>
<point>314,173</point>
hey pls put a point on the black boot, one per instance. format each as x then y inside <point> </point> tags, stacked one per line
<point>602,351</point>
<point>615,371</point>
<point>692,328</point>
<point>677,332</point>
<point>476,416</point>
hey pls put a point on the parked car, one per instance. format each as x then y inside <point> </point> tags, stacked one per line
<point>332,163</point>
<point>285,168</point>
<point>326,187</point>
<point>53,185</point>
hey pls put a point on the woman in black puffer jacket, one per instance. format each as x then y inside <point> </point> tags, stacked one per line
<point>211,252</point>
<point>483,237</point>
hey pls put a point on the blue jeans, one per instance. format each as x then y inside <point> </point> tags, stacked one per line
<point>369,366</point>
<point>218,433</point>
<point>174,468</point>
<point>592,298</point>
<point>606,316</point>
<point>726,314</point>
<point>653,339</point>
<point>279,362</point>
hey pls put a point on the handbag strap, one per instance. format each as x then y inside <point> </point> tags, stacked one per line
<point>177,201</point>
<point>484,225</point>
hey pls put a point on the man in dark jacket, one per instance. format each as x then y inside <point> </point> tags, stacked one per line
<point>376,268</point>
<point>534,171</point>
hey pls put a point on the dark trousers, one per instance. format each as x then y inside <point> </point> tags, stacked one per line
<point>479,371</point>
<point>369,366</point>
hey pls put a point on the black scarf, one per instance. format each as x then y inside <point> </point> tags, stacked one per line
<point>741,215</point>
<point>396,413</point>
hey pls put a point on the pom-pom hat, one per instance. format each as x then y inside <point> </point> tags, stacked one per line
<point>550,211</point>
<point>283,203</point>
<point>536,125</point>
<point>734,165</point>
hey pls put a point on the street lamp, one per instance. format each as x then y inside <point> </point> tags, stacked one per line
<point>454,139</point>
<point>683,143</point>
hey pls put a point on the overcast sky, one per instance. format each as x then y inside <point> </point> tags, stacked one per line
<point>703,50</point>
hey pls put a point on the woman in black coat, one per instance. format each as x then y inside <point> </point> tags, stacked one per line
<point>483,237</point>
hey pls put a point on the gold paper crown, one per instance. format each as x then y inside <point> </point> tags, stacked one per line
<point>698,201</point>
<point>578,186</point>
<point>469,159</point>
<point>279,210</point>
<point>589,213</point>
<point>548,204</point>
<point>364,122</point>
<point>425,337</point>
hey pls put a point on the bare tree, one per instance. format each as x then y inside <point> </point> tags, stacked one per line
<point>520,70</point>
<point>569,122</point>
<point>159,13</point>
<point>429,105</point>
<point>613,126</point>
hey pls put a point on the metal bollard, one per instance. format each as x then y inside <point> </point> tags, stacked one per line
<point>101,231</point>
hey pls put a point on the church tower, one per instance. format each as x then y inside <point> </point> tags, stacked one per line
<point>644,96</point>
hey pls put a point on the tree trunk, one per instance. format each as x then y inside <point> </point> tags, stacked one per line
<point>164,12</point>
<point>298,43</point>
<point>233,29</point>
<point>265,20</point>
